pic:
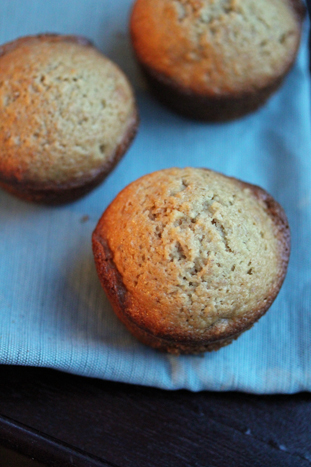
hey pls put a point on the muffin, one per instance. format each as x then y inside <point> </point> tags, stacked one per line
<point>67,115</point>
<point>215,60</point>
<point>190,258</point>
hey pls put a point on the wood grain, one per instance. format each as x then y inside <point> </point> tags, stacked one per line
<point>61,420</point>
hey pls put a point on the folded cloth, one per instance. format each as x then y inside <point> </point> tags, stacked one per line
<point>53,312</point>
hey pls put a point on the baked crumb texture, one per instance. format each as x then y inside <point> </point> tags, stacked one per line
<point>67,115</point>
<point>190,258</point>
<point>215,59</point>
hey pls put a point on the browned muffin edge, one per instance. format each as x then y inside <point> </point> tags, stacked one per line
<point>55,194</point>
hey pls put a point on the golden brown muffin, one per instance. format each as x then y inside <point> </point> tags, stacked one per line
<point>190,258</point>
<point>215,59</point>
<point>67,115</point>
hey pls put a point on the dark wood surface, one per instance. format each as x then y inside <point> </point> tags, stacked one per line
<point>65,420</point>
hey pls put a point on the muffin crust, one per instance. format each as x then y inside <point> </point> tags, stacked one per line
<point>190,258</point>
<point>67,116</point>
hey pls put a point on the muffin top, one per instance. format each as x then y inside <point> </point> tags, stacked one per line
<point>217,46</point>
<point>64,108</point>
<point>195,250</point>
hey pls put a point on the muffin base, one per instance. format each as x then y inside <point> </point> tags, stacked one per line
<point>56,194</point>
<point>209,108</point>
<point>176,342</point>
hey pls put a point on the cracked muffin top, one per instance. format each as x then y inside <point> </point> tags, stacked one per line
<point>64,109</point>
<point>217,46</point>
<point>196,250</point>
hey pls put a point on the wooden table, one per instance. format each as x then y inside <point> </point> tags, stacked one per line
<point>64,420</point>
